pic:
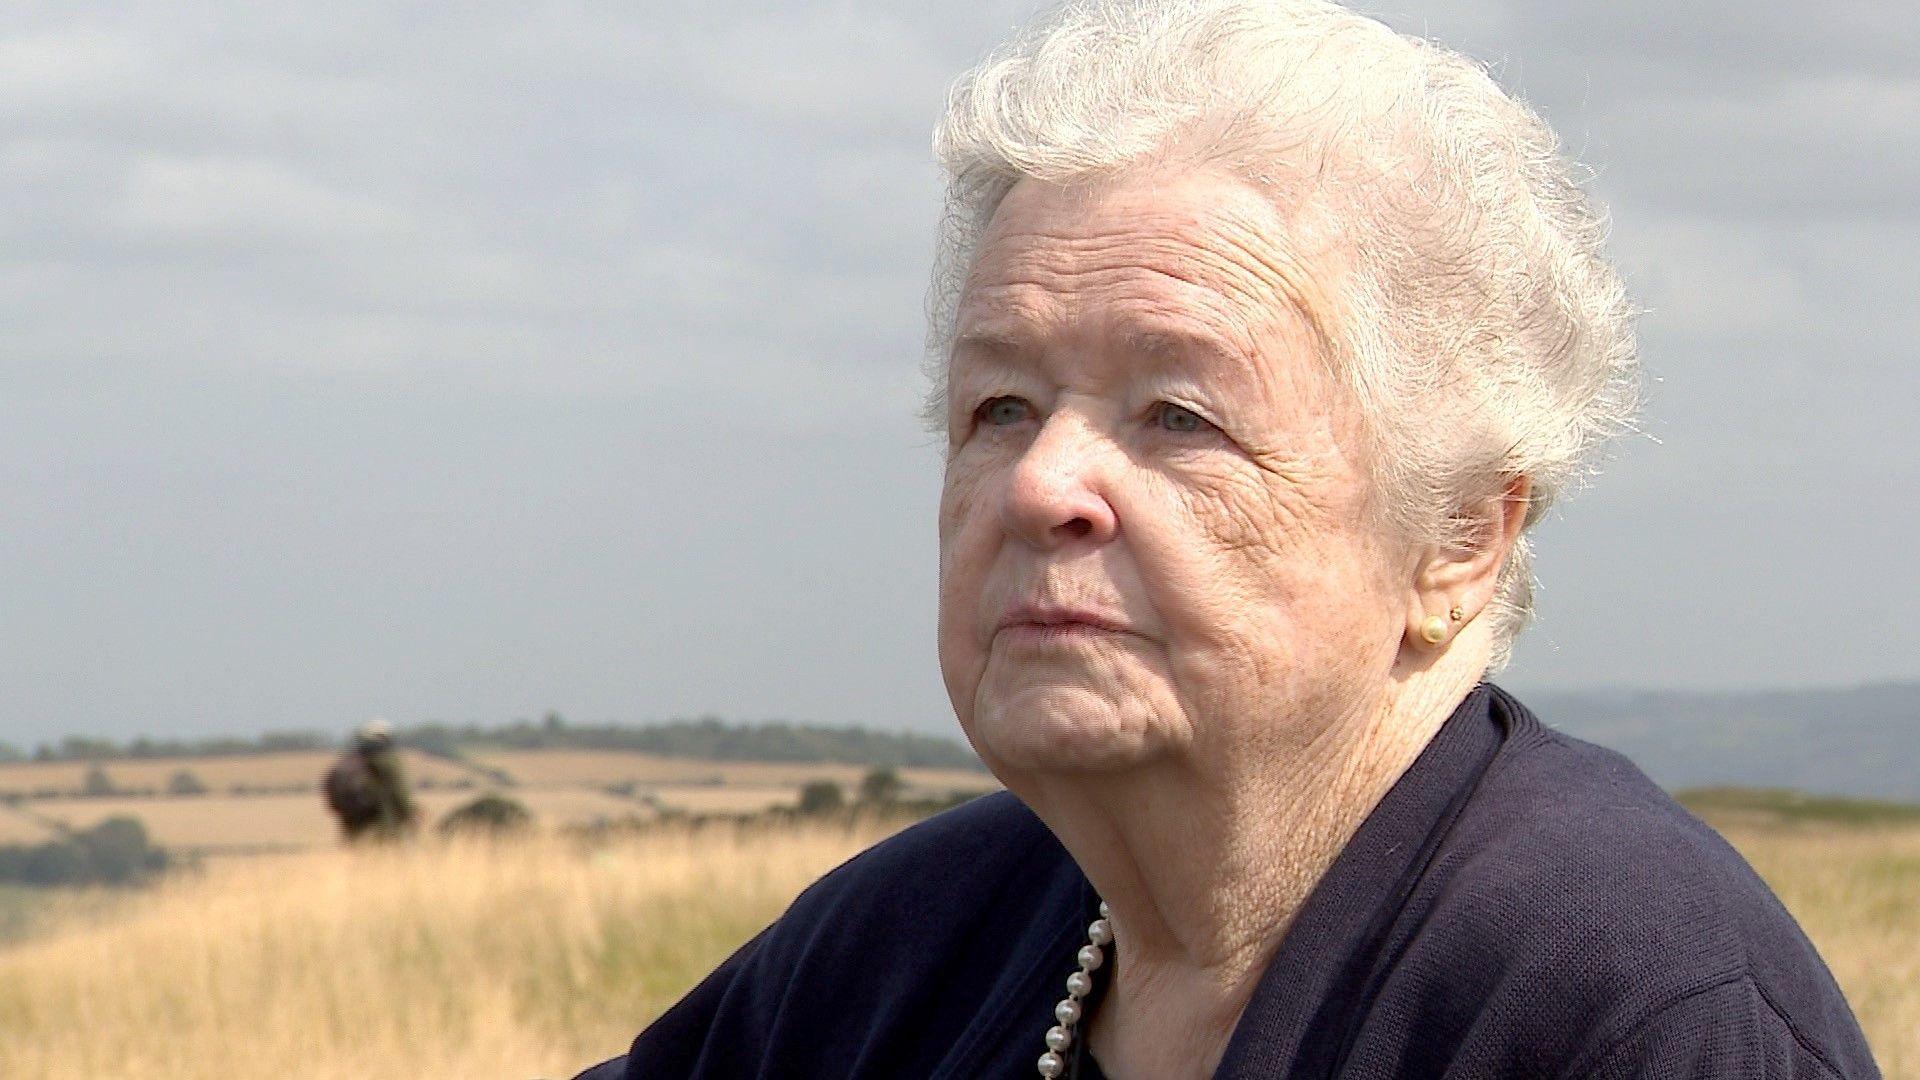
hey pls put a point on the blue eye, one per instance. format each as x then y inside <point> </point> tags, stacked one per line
<point>1001,411</point>
<point>1172,417</point>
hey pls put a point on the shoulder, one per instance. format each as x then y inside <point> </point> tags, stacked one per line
<point>1558,823</point>
<point>1562,826</point>
<point>948,862</point>
<point>1587,883</point>
<point>974,871</point>
<point>1732,1028</point>
<point>995,827</point>
<point>883,962</point>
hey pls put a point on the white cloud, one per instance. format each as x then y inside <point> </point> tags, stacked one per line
<point>217,200</point>
<point>440,320</point>
<point>1818,146</point>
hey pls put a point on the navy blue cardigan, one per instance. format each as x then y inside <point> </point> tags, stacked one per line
<point>1520,904</point>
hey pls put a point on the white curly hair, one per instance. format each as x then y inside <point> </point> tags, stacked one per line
<point>1485,334</point>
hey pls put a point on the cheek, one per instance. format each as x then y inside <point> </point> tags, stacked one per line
<point>957,498</point>
<point>1244,557</point>
<point>968,546</point>
<point>1240,507</point>
<point>1209,537</point>
<point>972,475</point>
<point>962,502</point>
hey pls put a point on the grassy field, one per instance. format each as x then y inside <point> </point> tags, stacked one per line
<point>21,909</point>
<point>536,958</point>
<point>224,824</point>
<point>18,827</point>
<point>1855,888</point>
<point>219,773</point>
<point>598,768</point>
<point>531,959</point>
<point>278,805</point>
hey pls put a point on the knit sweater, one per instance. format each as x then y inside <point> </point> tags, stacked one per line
<point>1519,904</point>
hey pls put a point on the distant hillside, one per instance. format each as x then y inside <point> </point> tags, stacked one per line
<point>1776,807</point>
<point>707,738</point>
<point>1862,742</point>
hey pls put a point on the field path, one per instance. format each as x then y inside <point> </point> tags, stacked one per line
<point>38,827</point>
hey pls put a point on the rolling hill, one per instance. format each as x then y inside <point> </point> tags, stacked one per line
<point>1862,741</point>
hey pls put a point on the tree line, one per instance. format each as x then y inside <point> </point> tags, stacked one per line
<point>117,851</point>
<point>708,738</point>
<point>86,748</point>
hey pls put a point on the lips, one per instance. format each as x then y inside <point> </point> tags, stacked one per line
<point>1033,618</point>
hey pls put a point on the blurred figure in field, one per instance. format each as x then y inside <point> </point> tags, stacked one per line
<point>366,789</point>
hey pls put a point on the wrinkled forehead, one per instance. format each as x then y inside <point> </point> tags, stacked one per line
<point>1164,261</point>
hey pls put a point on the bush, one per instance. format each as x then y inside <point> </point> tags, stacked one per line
<point>98,783</point>
<point>821,797</point>
<point>118,852</point>
<point>60,862</point>
<point>881,787</point>
<point>114,852</point>
<point>488,815</point>
<point>185,783</point>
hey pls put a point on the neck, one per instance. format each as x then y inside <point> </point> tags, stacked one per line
<point>1205,863</point>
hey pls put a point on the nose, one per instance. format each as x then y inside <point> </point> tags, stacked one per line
<point>1056,493</point>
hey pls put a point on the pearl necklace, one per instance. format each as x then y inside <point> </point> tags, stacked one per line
<point>1079,985</point>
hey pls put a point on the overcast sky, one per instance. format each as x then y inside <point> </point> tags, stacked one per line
<point>386,359</point>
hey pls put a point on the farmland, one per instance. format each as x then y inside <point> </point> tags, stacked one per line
<point>1849,871</point>
<point>256,803</point>
<point>537,956</point>
<point>458,959</point>
<point>219,773</point>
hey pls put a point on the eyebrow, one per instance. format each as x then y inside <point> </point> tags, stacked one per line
<point>1165,345</point>
<point>1000,346</point>
<point>1192,353</point>
<point>1162,347</point>
<point>1157,344</point>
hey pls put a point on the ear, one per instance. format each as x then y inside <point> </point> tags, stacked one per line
<point>1455,583</point>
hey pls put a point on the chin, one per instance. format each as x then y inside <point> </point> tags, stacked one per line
<point>1054,729</point>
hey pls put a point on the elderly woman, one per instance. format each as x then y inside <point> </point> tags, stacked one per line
<point>1261,336</point>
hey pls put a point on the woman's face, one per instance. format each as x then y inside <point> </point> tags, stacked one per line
<point>1153,530</point>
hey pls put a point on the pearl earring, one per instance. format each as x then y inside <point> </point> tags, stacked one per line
<point>1434,630</point>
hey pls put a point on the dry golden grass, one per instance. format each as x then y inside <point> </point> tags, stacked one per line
<point>521,960</point>
<point>216,824</point>
<point>207,822</point>
<point>20,827</point>
<point>566,806</point>
<point>534,959</point>
<point>213,824</point>
<point>560,787</point>
<point>730,799</point>
<point>219,773</point>
<point>1855,892</point>
<point>598,768</point>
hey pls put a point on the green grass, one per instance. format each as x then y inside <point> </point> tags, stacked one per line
<point>1789,807</point>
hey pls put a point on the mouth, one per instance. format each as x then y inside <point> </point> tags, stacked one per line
<point>1035,623</point>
